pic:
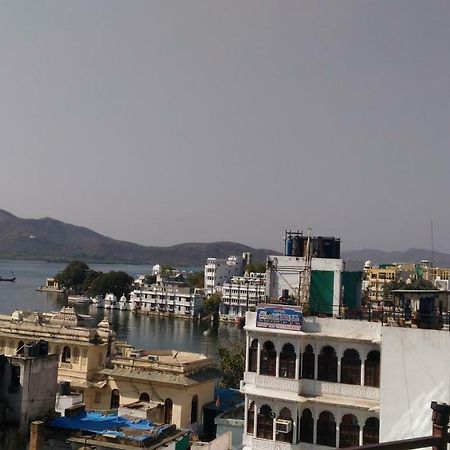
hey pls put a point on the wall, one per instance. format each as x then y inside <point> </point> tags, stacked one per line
<point>415,370</point>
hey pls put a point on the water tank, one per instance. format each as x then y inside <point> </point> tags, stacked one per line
<point>298,246</point>
<point>288,246</point>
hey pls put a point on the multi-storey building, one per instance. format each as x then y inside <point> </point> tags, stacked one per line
<point>220,270</point>
<point>376,278</point>
<point>242,294</point>
<point>168,298</point>
<point>315,383</point>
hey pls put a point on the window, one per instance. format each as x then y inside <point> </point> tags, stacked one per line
<point>14,385</point>
<point>285,414</point>
<point>265,423</point>
<point>168,406</point>
<point>194,409</point>
<point>253,356</point>
<point>307,426</point>
<point>144,397</point>
<point>351,367</point>
<point>349,431</point>
<point>268,359</point>
<point>251,418</point>
<point>308,363</point>
<point>327,364</point>
<point>115,399</point>
<point>372,369</point>
<point>326,429</point>
<point>287,361</point>
<point>66,354</point>
<point>371,431</point>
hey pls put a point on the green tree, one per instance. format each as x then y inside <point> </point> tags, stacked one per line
<point>256,267</point>
<point>117,283</point>
<point>195,279</point>
<point>74,275</point>
<point>150,279</point>
<point>232,365</point>
<point>211,305</point>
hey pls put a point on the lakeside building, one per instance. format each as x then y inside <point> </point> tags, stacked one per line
<point>220,270</point>
<point>316,383</point>
<point>331,282</point>
<point>242,294</point>
<point>27,392</point>
<point>167,298</point>
<point>82,352</point>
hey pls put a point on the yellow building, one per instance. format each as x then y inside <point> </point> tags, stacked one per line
<point>375,278</point>
<point>82,351</point>
<point>174,384</point>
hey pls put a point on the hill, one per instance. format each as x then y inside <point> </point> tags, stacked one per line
<point>53,240</point>
<point>413,255</point>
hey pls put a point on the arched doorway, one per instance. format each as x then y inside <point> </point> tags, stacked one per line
<point>308,363</point>
<point>372,369</point>
<point>371,431</point>
<point>326,429</point>
<point>194,409</point>
<point>144,397</point>
<point>287,361</point>
<point>265,423</point>
<point>285,415</point>
<point>349,431</point>
<point>268,359</point>
<point>168,406</point>
<point>351,367</point>
<point>327,364</point>
<point>253,356</point>
<point>307,426</point>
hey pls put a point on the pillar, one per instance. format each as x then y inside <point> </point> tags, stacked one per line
<point>258,358</point>
<point>339,370</point>
<point>277,363</point>
<point>37,435</point>
<point>362,372</point>
<point>247,343</point>
<point>297,364</point>
<point>255,419</point>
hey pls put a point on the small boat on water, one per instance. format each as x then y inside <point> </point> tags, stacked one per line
<point>79,299</point>
<point>10,279</point>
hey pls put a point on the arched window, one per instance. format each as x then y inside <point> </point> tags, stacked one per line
<point>144,397</point>
<point>326,429</point>
<point>287,361</point>
<point>268,359</point>
<point>349,431</point>
<point>307,426</point>
<point>194,409</point>
<point>253,356</point>
<point>327,364</point>
<point>251,418</point>
<point>351,367</point>
<point>168,406</point>
<point>372,369</point>
<point>371,431</point>
<point>65,358</point>
<point>20,349</point>
<point>285,414</point>
<point>76,355</point>
<point>308,363</point>
<point>264,428</point>
<point>115,399</point>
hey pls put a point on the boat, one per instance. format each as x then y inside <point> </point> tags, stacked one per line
<point>79,299</point>
<point>10,279</point>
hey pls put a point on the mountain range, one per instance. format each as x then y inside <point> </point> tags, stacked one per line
<point>53,240</point>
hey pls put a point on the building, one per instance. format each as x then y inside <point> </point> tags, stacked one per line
<point>316,383</point>
<point>376,278</point>
<point>82,352</point>
<point>327,281</point>
<point>168,298</point>
<point>27,392</point>
<point>242,294</point>
<point>174,385</point>
<point>220,270</point>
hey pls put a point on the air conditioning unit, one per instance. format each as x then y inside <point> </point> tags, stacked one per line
<point>153,358</point>
<point>283,426</point>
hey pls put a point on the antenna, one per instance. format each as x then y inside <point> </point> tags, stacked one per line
<point>432,246</point>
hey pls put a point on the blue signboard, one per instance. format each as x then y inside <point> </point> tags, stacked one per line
<point>279,317</point>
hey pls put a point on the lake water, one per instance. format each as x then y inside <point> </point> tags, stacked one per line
<point>149,332</point>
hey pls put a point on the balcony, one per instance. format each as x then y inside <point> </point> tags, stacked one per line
<point>275,383</point>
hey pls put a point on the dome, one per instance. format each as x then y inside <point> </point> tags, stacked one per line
<point>368,264</point>
<point>156,269</point>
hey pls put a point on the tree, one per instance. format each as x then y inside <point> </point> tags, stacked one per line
<point>211,305</point>
<point>195,279</point>
<point>117,283</point>
<point>256,267</point>
<point>232,365</point>
<point>74,275</point>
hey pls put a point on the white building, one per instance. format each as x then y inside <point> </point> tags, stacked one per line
<point>333,282</point>
<point>220,270</point>
<point>168,299</point>
<point>242,294</point>
<point>316,383</point>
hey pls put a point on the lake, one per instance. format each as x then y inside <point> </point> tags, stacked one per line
<point>149,332</point>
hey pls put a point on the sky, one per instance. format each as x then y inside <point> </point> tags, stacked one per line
<point>163,122</point>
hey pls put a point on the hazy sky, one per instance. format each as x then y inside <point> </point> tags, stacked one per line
<point>162,122</point>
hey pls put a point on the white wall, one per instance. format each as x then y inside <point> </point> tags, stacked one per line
<point>415,370</point>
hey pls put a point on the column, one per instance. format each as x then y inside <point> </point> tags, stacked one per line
<point>246,403</point>
<point>362,372</point>
<point>339,370</point>
<point>361,426</point>
<point>258,358</point>
<point>315,417</point>
<point>337,431</point>
<point>294,425</point>
<point>297,365</point>
<point>247,343</point>
<point>277,363</point>
<point>316,364</point>
<point>255,419</point>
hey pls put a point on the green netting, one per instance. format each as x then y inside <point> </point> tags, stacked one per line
<point>321,292</point>
<point>352,289</point>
